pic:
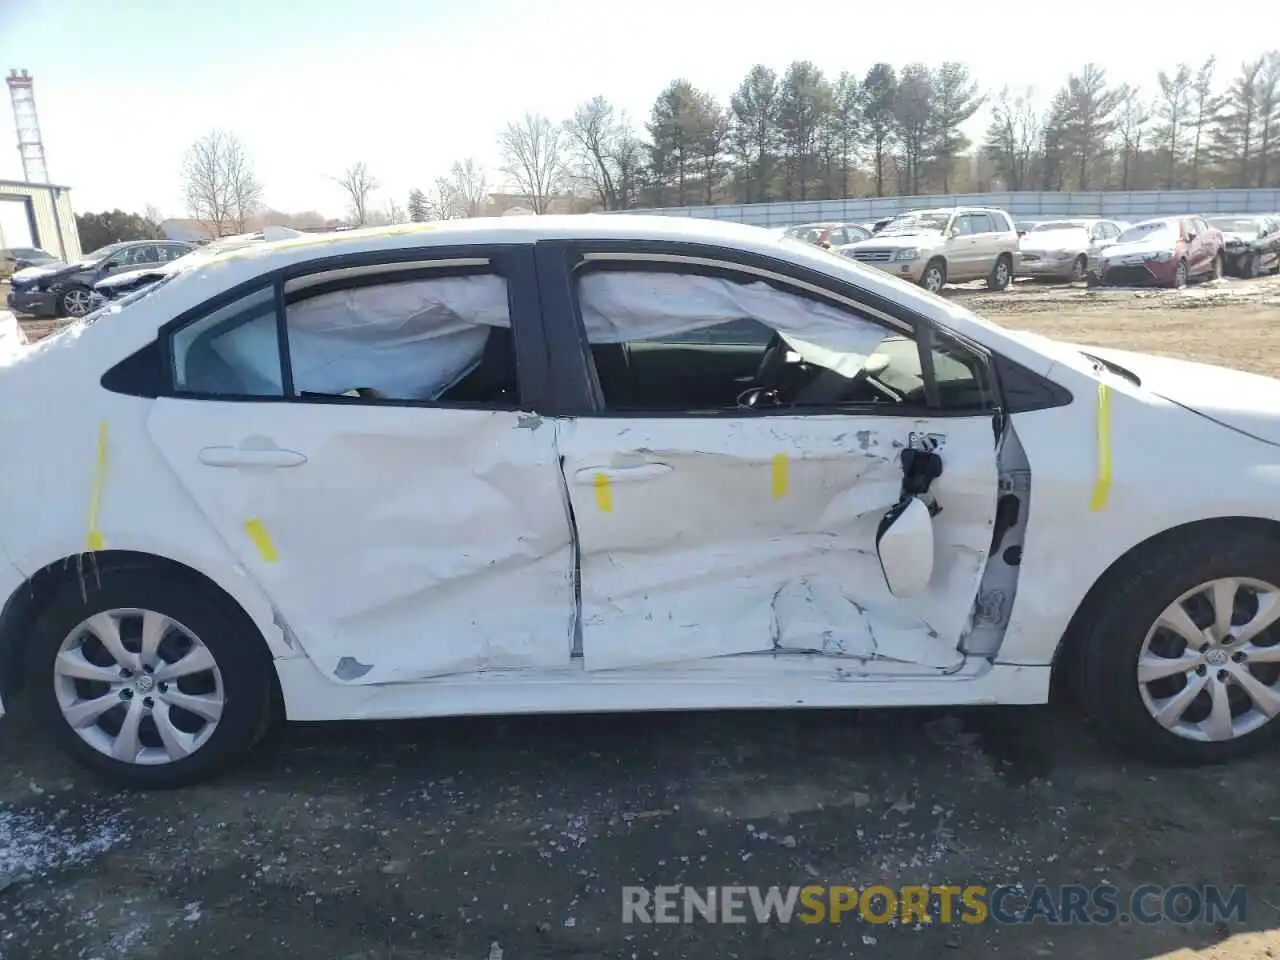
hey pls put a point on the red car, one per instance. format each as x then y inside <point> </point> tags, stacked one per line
<point>1166,252</point>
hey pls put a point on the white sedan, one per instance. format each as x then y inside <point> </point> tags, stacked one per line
<point>596,463</point>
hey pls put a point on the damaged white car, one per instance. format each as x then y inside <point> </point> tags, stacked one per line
<point>615,463</point>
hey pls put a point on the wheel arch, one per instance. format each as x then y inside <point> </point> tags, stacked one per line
<point>1061,674</point>
<point>24,607</point>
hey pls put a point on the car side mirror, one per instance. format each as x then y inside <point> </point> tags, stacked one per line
<point>904,544</point>
<point>1022,233</point>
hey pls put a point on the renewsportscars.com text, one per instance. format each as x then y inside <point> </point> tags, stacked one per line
<point>970,904</point>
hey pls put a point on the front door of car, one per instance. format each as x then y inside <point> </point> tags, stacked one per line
<point>713,522</point>
<point>1199,250</point>
<point>388,485</point>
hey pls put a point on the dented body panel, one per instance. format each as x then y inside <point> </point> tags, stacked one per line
<point>714,537</point>
<point>411,543</point>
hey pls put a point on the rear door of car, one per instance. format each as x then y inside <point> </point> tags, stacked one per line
<point>964,248</point>
<point>709,527</point>
<point>364,434</point>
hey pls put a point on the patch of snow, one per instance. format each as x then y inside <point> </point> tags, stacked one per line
<point>34,843</point>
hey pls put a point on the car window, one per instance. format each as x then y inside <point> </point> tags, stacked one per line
<point>233,351</point>
<point>1198,225</point>
<point>169,252</point>
<point>1151,230</point>
<point>441,338</point>
<point>140,255</point>
<point>963,226</point>
<point>999,222</point>
<point>678,343</point>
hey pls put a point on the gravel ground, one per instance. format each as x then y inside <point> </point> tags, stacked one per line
<point>513,838</point>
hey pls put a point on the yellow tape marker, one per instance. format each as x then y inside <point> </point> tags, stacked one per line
<point>262,540</point>
<point>93,539</point>
<point>1102,485</point>
<point>779,475</point>
<point>604,496</point>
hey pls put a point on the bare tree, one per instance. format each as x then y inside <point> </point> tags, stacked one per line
<point>1131,124</point>
<point>1173,109</point>
<point>359,184</point>
<point>443,202</point>
<point>533,157</point>
<point>152,215</point>
<point>1014,136</point>
<point>395,212</point>
<point>218,180</point>
<point>468,187</point>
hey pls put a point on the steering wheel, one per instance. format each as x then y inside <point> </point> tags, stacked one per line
<point>755,398</point>
<point>772,363</point>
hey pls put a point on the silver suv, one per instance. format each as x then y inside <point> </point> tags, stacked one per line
<point>937,247</point>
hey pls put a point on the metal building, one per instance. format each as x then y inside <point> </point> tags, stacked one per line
<point>38,215</point>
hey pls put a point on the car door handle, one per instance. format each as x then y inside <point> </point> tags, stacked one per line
<point>240,457</point>
<point>646,471</point>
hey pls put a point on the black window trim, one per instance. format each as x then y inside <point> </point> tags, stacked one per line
<point>514,262</point>
<point>573,367</point>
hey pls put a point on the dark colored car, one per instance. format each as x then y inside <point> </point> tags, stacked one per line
<point>1164,252</point>
<point>13,259</point>
<point>66,290</point>
<point>1251,244</point>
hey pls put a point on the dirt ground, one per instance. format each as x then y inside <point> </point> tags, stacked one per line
<point>513,838</point>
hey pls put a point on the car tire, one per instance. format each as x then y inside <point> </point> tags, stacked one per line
<point>1115,632</point>
<point>934,277</point>
<point>1080,269</point>
<point>1001,274</point>
<point>74,302</point>
<point>204,627</point>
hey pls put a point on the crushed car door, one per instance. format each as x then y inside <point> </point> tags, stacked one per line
<point>389,490</point>
<point>751,527</point>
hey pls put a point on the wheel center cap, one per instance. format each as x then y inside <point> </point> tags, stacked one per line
<point>1216,657</point>
<point>144,683</point>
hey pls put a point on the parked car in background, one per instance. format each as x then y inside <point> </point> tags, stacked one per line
<point>1165,252</point>
<point>1065,249</point>
<point>827,234</point>
<point>119,285</point>
<point>65,290</point>
<point>1250,244</point>
<point>13,259</point>
<point>937,247</point>
<point>877,225</point>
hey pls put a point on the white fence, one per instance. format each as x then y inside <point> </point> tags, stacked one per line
<point>1131,205</point>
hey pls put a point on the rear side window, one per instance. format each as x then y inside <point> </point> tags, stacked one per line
<point>435,338</point>
<point>233,351</point>
<point>1000,221</point>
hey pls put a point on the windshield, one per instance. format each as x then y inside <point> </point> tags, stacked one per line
<point>1059,225</point>
<point>103,252</point>
<point>1150,230</point>
<point>1234,223</point>
<point>917,223</point>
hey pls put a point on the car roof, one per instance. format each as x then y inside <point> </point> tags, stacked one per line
<point>505,230</point>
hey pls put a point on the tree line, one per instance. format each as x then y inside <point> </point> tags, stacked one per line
<point>804,135</point>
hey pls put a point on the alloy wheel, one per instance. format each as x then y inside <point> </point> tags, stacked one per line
<point>1209,668</point>
<point>933,280</point>
<point>138,686</point>
<point>77,302</point>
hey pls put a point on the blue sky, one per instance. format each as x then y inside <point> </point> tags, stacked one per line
<point>124,86</point>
